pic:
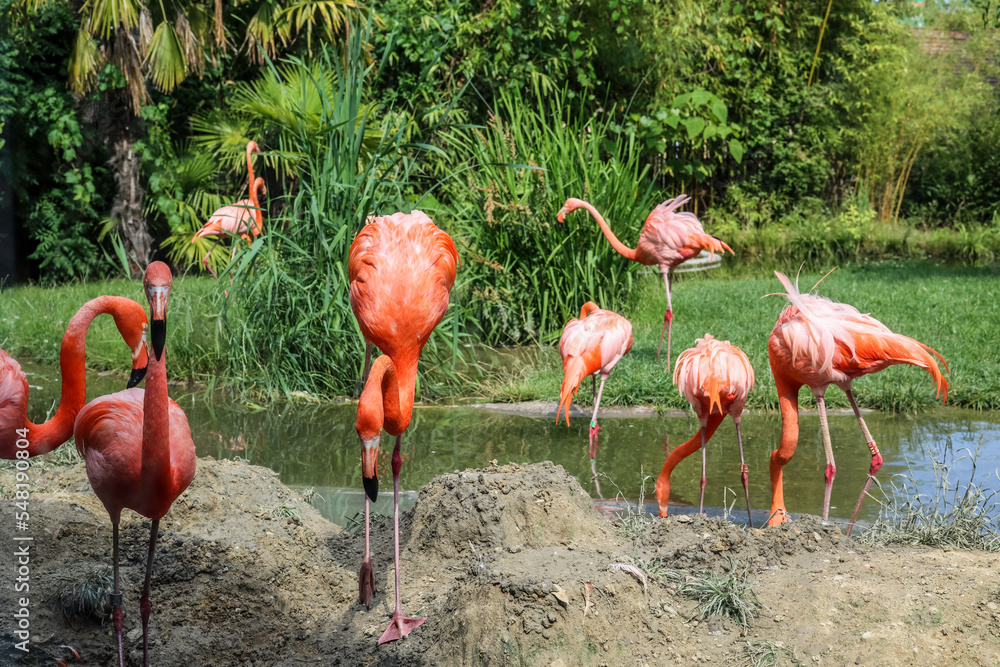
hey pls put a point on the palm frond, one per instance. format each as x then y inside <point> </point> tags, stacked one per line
<point>109,16</point>
<point>262,36</point>
<point>166,62</point>
<point>194,57</point>
<point>126,54</point>
<point>84,62</point>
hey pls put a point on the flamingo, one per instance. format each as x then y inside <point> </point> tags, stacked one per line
<point>138,449</point>
<point>130,318</point>
<point>401,268</point>
<point>715,377</point>
<point>243,218</point>
<point>668,239</point>
<point>591,345</point>
<point>819,342</point>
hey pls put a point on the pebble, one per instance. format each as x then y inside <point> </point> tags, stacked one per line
<point>867,636</point>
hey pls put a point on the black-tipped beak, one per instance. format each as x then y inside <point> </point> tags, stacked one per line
<point>136,377</point>
<point>371,487</point>
<point>158,337</point>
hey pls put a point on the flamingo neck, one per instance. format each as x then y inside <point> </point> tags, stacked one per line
<point>257,216</point>
<point>155,467</point>
<point>621,248</point>
<point>387,399</point>
<point>49,435</point>
<point>250,172</point>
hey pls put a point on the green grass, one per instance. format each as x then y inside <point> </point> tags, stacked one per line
<point>33,320</point>
<point>730,595</point>
<point>954,310</point>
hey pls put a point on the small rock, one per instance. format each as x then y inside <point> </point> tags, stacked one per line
<point>867,636</point>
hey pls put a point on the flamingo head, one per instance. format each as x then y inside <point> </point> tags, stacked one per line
<point>571,205</point>
<point>157,283</point>
<point>132,325</point>
<point>369,463</point>
<point>252,148</point>
<point>259,186</point>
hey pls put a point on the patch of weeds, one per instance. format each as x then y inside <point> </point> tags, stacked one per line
<point>88,598</point>
<point>730,594</point>
<point>763,653</point>
<point>958,515</point>
<point>310,496</point>
<point>357,522</point>
<point>654,567</point>
<point>282,511</point>
<point>632,521</point>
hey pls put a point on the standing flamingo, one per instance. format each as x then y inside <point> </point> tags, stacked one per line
<point>668,239</point>
<point>819,342</point>
<point>130,318</point>
<point>591,345</point>
<point>715,377</point>
<point>138,449</point>
<point>401,268</point>
<point>243,218</point>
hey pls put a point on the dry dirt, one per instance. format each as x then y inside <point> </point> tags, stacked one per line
<point>497,559</point>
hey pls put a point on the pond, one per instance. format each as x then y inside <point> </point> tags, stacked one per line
<point>315,446</point>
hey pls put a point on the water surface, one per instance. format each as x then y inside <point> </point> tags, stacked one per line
<point>314,445</point>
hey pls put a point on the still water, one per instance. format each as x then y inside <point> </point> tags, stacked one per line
<point>315,446</point>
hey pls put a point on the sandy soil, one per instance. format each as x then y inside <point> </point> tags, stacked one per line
<point>248,574</point>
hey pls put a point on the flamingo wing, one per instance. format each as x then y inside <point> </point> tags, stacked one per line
<point>716,373</point>
<point>673,236</point>
<point>230,219</point>
<point>401,268</point>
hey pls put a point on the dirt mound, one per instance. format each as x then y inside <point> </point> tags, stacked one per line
<point>511,565</point>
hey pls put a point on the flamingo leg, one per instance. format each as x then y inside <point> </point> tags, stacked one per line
<point>145,608</point>
<point>876,459</point>
<point>704,480</point>
<point>788,401</point>
<point>679,454</point>
<point>400,626</point>
<point>831,467</point>
<point>117,616</point>
<point>204,260</point>
<point>594,432</point>
<point>668,318</point>
<point>366,578</point>
<point>744,471</point>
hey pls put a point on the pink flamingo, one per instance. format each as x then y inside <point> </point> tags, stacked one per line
<point>243,218</point>
<point>715,377</point>
<point>130,318</point>
<point>819,342</point>
<point>138,449</point>
<point>591,345</point>
<point>401,268</point>
<point>668,239</point>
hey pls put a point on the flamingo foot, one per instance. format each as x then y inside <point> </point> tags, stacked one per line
<point>400,627</point>
<point>831,472</point>
<point>701,503</point>
<point>778,517</point>
<point>595,430</point>
<point>366,582</point>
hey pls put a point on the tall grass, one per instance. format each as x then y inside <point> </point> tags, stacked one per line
<point>290,324</point>
<point>526,275</point>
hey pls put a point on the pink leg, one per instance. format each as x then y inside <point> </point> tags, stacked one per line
<point>831,467</point>
<point>668,318</point>
<point>701,503</point>
<point>401,625</point>
<point>204,260</point>
<point>117,616</point>
<point>744,471</point>
<point>875,464</point>
<point>366,578</point>
<point>145,608</point>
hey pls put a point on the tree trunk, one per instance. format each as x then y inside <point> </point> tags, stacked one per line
<point>127,207</point>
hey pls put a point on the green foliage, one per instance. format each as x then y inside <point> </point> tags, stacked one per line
<point>526,276</point>
<point>290,326</point>
<point>730,595</point>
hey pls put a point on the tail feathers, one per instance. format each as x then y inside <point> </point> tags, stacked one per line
<point>711,244</point>
<point>900,349</point>
<point>574,371</point>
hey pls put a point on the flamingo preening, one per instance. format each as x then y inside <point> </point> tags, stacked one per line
<point>715,377</point>
<point>591,345</point>
<point>138,449</point>
<point>819,342</point>
<point>130,318</point>
<point>668,239</point>
<point>243,218</point>
<point>401,268</point>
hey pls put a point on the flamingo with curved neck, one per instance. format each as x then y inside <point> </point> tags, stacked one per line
<point>668,238</point>
<point>130,318</point>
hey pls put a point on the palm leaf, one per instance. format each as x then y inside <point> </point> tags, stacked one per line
<point>108,16</point>
<point>166,61</point>
<point>84,61</point>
